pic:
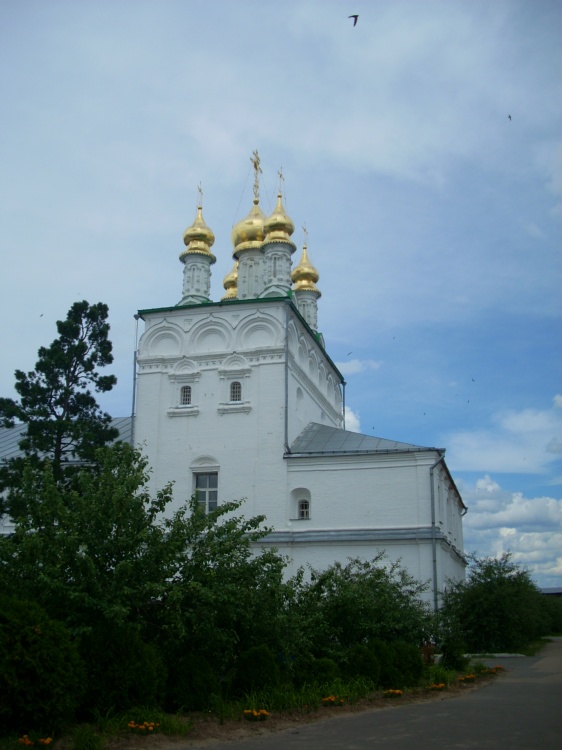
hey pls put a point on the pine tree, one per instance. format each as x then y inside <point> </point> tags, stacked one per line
<point>64,423</point>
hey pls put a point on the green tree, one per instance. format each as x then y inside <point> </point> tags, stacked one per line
<point>103,551</point>
<point>357,602</point>
<point>498,607</point>
<point>93,551</point>
<point>63,420</point>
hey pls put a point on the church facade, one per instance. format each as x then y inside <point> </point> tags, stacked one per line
<point>239,399</point>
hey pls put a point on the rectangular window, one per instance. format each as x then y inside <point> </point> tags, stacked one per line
<point>236,391</point>
<point>206,489</point>
<point>304,509</point>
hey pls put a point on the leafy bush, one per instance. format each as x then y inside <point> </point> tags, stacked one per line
<point>192,684</point>
<point>123,670</point>
<point>359,601</point>
<point>389,676</point>
<point>256,669</point>
<point>498,608</point>
<point>408,662</point>
<point>362,661</point>
<point>41,674</point>
<point>308,671</point>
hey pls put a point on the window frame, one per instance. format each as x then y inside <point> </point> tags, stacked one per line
<point>235,392</point>
<point>210,487</point>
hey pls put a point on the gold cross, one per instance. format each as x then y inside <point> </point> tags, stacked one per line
<point>257,171</point>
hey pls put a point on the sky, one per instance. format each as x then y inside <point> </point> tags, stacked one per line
<point>422,150</point>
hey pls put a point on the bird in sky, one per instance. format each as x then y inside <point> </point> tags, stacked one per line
<point>509,117</point>
<point>355,21</point>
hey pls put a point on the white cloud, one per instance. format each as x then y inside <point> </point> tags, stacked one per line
<point>352,421</point>
<point>353,366</point>
<point>499,521</point>
<point>525,441</point>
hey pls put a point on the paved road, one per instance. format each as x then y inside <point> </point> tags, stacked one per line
<point>522,710</point>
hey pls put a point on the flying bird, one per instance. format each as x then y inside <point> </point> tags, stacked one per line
<point>509,117</point>
<point>354,19</point>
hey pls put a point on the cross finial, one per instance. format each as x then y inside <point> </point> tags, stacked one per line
<point>305,233</point>
<point>255,159</point>
<point>199,196</point>
<point>281,179</point>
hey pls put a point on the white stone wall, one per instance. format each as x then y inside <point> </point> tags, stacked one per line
<point>359,504</point>
<point>208,347</point>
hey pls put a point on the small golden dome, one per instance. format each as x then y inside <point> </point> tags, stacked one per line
<point>198,238</point>
<point>230,283</point>
<point>249,232</point>
<point>279,227</point>
<point>304,276</point>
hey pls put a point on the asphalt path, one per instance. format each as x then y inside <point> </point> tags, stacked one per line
<point>521,710</point>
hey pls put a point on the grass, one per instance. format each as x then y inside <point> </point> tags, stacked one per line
<point>306,699</point>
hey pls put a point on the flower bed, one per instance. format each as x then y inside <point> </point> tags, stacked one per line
<point>251,714</point>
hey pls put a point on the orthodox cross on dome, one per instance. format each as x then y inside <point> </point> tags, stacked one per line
<point>281,179</point>
<point>199,196</point>
<point>255,159</point>
<point>305,234</point>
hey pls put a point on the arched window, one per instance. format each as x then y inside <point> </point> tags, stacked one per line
<point>185,395</point>
<point>304,509</point>
<point>236,391</point>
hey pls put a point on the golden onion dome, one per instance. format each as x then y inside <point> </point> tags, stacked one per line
<point>304,276</point>
<point>230,283</point>
<point>198,238</point>
<point>249,233</point>
<point>279,227</point>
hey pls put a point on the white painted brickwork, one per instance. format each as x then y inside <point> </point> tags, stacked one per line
<point>358,503</point>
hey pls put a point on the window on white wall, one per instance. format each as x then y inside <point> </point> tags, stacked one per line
<point>185,395</point>
<point>236,390</point>
<point>300,504</point>
<point>207,490</point>
<point>304,509</point>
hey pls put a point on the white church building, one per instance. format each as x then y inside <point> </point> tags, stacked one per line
<point>238,398</point>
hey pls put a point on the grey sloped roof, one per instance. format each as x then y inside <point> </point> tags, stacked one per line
<point>10,437</point>
<point>321,439</point>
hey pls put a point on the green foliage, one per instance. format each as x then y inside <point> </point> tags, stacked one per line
<point>407,660</point>
<point>225,597</point>
<point>361,661</point>
<point>389,676</point>
<point>354,603</point>
<point>100,553</point>
<point>192,685</point>
<point>123,671</point>
<point>552,609</point>
<point>94,552</point>
<point>437,673</point>
<point>498,608</point>
<point>309,670</point>
<point>85,737</point>
<point>256,669</point>
<point>56,403</point>
<point>41,675</point>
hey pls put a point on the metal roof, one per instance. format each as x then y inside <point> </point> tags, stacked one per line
<point>10,437</point>
<point>321,439</point>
